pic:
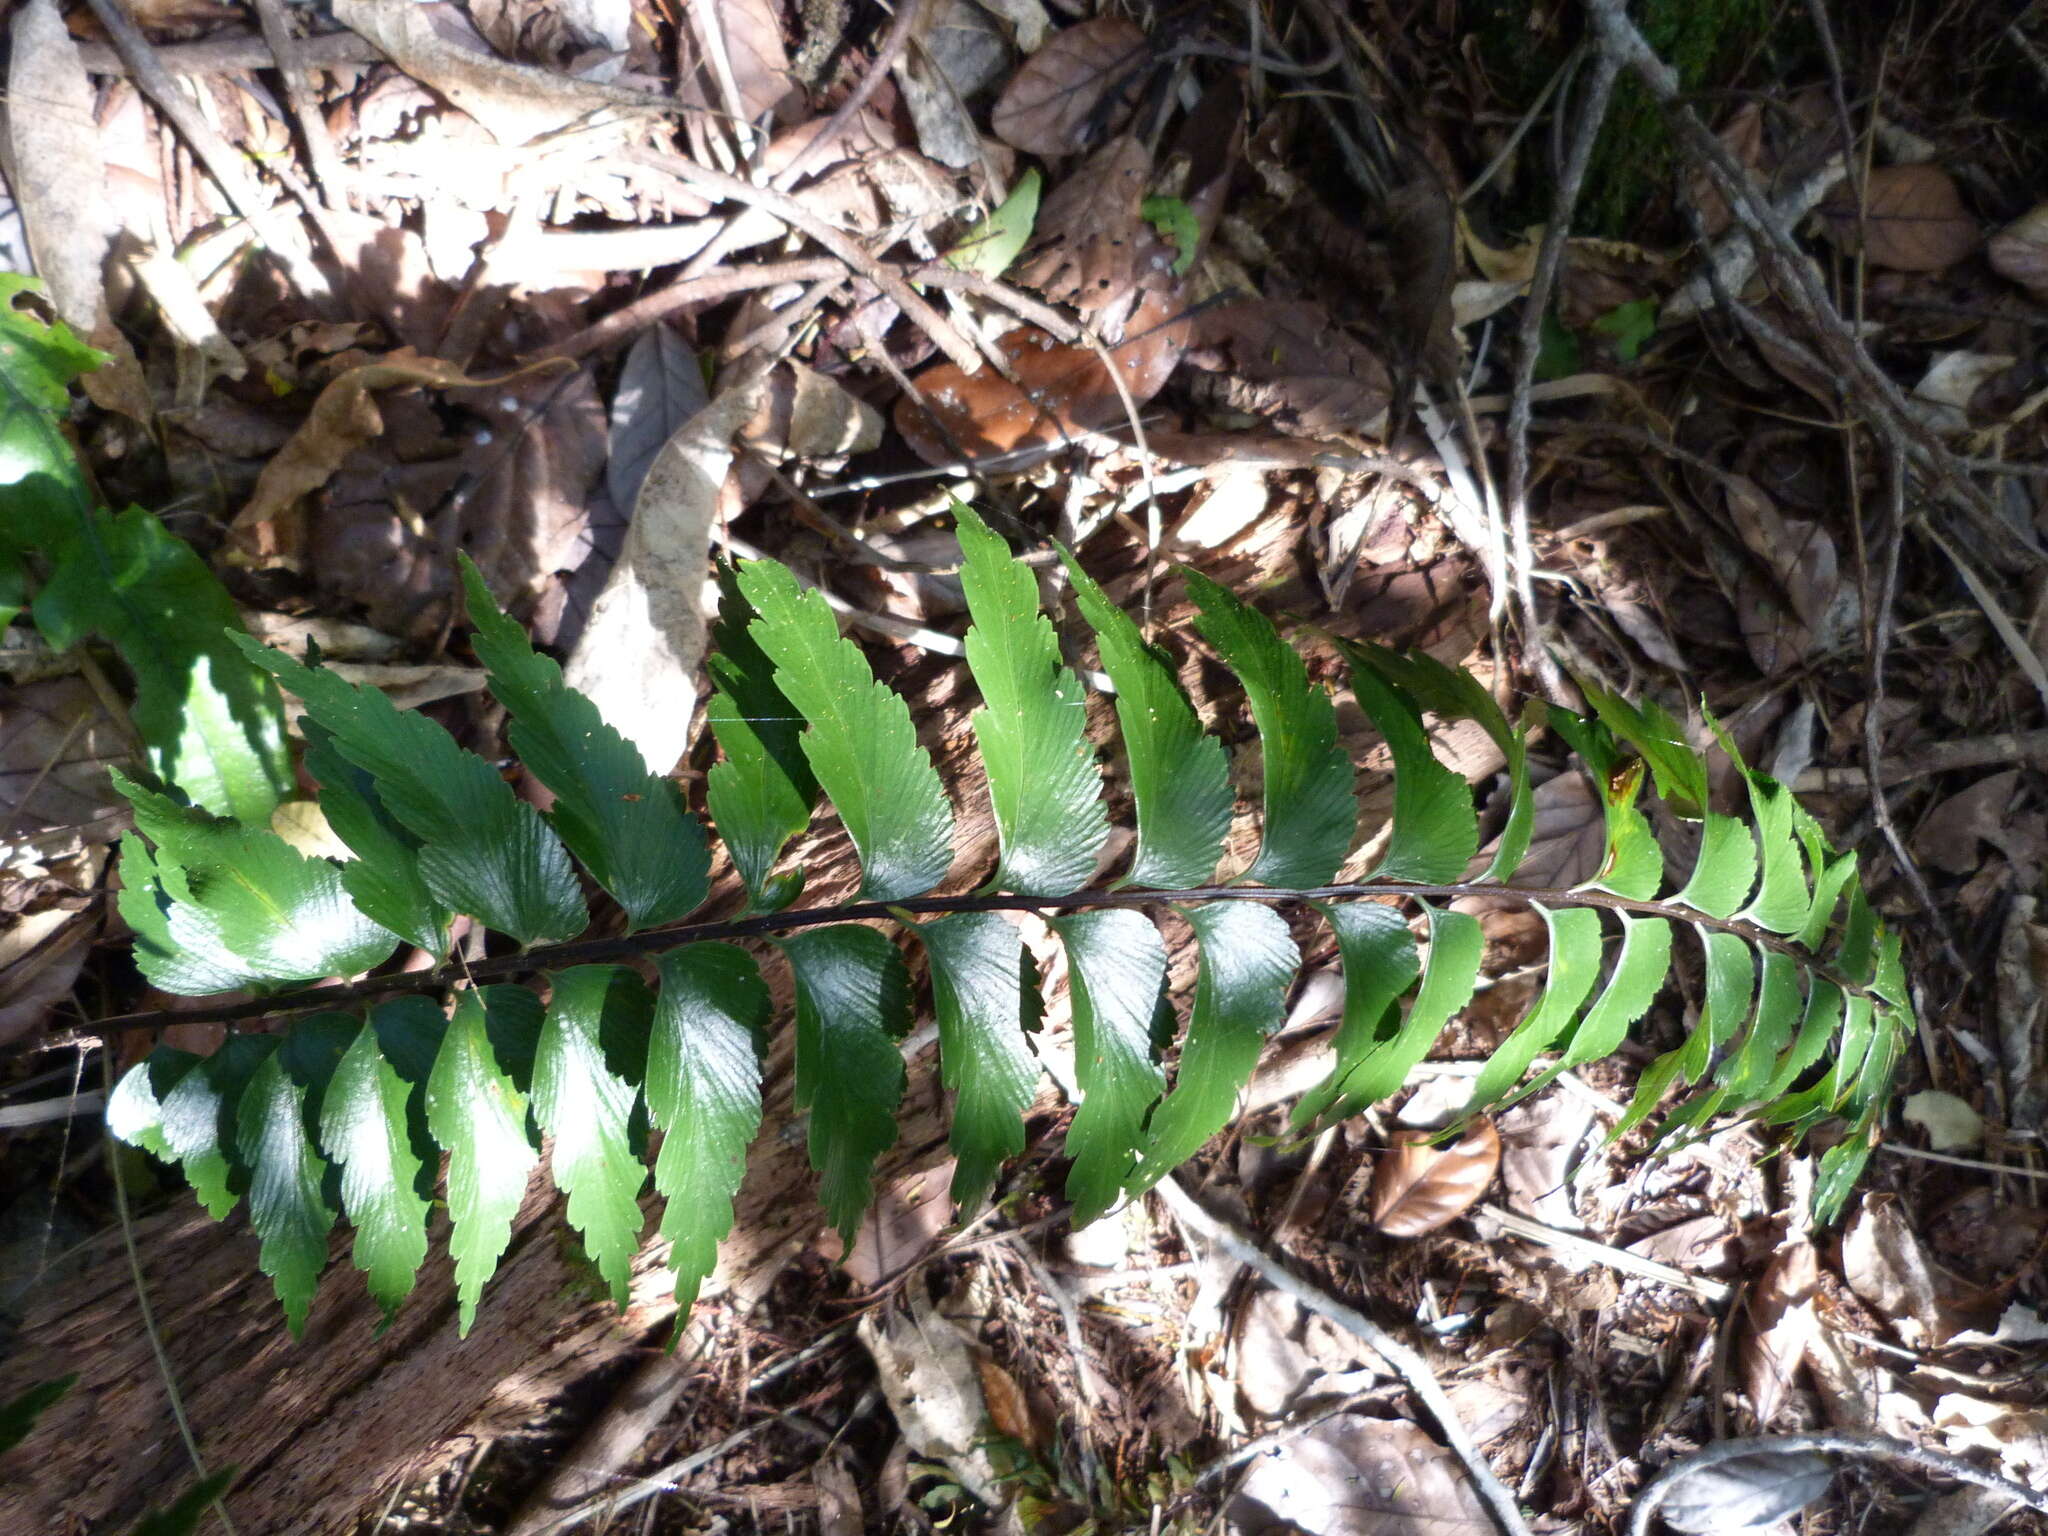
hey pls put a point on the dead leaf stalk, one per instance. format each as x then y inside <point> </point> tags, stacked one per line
<point>624,324</point>
<point>329,177</point>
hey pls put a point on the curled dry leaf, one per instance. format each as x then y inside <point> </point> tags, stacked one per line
<point>2020,250</point>
<point>57,168</point>
<point>1885,1264</point>
<point>1782,1323</point>
<point>1913,219</point>
<point>1066,389</point>
<point>343,418</point>
<point>1355,1476</point>
<point>1418,1187</point>
<point>1076,90</point>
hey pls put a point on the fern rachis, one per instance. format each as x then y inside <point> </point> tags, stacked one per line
<point>349,1111</point>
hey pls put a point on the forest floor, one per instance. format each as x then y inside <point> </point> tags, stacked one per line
<point>1762,437</point>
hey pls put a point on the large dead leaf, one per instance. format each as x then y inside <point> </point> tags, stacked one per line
<point>1418,1187</point>
<point>750,37</point>
<point>1807,609</point>
<point>1288,361</point>
<point>1782,1323</point>
<point>929,1374</point>
<point>1354,1476</point>
<point>58,168</point>
<point>1748,1494</point>
<point>638,656</point>
<point>900,1227</point>
<point>1065,389</point>
<point>1913,219</point>
<point>1075,91</point>
<point>661,386</point>
<point>56,744</point>
<point>1885,1264</point>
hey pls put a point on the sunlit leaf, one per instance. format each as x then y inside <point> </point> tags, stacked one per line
<point>365,1127</point>
<point>860,745</point>
<point>477,1113</point>
<point>1116,965</point>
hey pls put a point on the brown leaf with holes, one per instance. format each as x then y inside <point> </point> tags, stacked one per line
<point>1782,1323</point>
<point>1066,389</point>
<point>1418,1187</point>
<point>1091,246</point>
<point>1075,91</point>
<point>1913,219</point>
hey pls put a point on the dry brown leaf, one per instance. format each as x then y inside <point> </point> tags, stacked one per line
<point>1913,219</point>
<point>1884,1263</point>
<point>1742,137</point>
<point>58,168</point>
<point>1288,361</point>
<point>40,957</point>
<point>1076,90</point>
<point>900,1227</point>
<point>2020,250</point>
<point>1953,835</point>
<point>1418,1187</point>
<point>752,36</point>
<point>1807,608</point>
<point>343,418</point>
<point>1009,1410</point>
<point>57,742</point>
<point>1568,843</point>
<point>1782,1323</point>
<point>1066,389</point>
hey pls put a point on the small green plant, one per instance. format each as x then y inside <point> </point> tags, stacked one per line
<point>1803,1015</point>
<point>211,723</point>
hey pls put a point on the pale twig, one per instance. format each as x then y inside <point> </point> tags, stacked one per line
<point>1977,1163</point>
<point>1837,1442</point>
<point>1618,1259</point>
<point>221,159</point>
<point>328,175</point>
<point>233,55</point>
<point>1936,757</point>
<point>1549,259</point>
<point>1411,1367</point>
<point>624,324</point>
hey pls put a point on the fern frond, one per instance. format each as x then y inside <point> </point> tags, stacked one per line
<point>1803,1018</point>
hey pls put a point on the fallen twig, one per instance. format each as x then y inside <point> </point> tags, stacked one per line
<point>1411,1366</point>
<point>624,324</point>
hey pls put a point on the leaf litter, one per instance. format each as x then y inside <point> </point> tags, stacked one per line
<point>510,191</point>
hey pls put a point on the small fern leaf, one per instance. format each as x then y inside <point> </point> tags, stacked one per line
<point>1311,804</point>
<point>1730,990</point>
<point>761,791</point>
<point>199,1121</point>
<point>1822,1018</point>
<point>584,1105</point>
<point>861,744</point>
<point>483,850</point>
<point>1031,728</point>
<point>1436,829</point>
<point>625,824</point>
<point>287,1209</point>
<point>1449,977</point>
<point>704,1092</point>
<point>383,879</point>
<point>1248,960</point>
<point>979,997</point>
<point>1633,865</point>
<point>852,1006</point>
<point>1116,971</point>
<point>477,1113</point>
<point>1639,971</point>
<point>1180,777</point>
<point>1725,872</point>
<point>1455,694</point>
<point>281,914</point>
<point>185,964</point>
<point>365,1127</point>
<point>1778,1001</point>
<point>1380,963</point>
<point>1574,970</point>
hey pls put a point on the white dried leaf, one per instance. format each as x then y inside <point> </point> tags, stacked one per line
<point>1747,1493</point>
<point>59,168</point>
<point>1950,1123</point>
<point>1883,1262</point>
